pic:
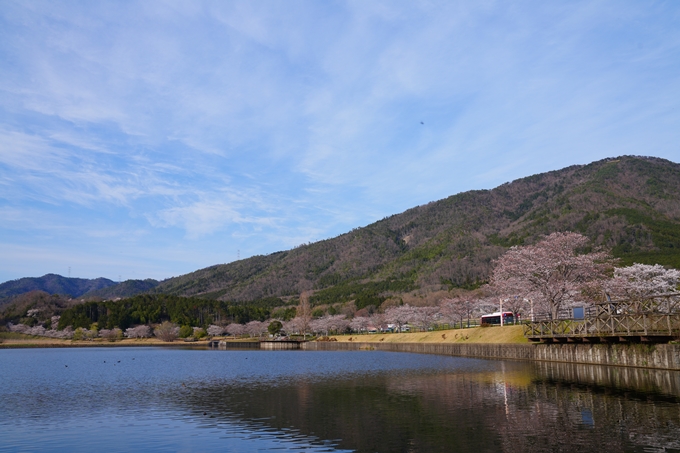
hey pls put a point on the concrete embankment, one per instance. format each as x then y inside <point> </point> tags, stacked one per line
<point>660,356</point>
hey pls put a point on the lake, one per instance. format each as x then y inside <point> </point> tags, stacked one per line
<point>182,400</point>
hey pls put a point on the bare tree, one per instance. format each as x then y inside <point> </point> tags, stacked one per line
<point>304,313</point>
<point>167,331</point>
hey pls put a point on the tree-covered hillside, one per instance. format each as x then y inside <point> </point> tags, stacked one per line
<point>629,204</point>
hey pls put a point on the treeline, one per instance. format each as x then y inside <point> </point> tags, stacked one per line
<point>363,294</point>
<point>153,309</point>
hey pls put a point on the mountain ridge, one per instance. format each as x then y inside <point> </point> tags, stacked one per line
<point>629,204</point>
<point>54,284</point>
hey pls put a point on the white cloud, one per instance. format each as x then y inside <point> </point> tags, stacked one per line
<point>201,120</point>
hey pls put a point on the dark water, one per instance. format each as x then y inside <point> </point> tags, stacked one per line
<point>164,400</point>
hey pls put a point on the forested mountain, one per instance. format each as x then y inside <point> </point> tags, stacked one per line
<point>127,288</point>
<point>628,204</point>
<point>53,284</point>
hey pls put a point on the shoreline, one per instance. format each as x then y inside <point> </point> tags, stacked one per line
<point>38,342</point>
<point>473,335</point>
<point>506,343</point>
<point>650,356</point>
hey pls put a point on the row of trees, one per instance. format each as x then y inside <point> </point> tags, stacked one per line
<point>555,273</point>
<point>562,271</point>
<point>155,309</point>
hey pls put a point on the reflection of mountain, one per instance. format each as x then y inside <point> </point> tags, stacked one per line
<point>511,407</point>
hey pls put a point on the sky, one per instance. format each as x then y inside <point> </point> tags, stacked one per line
<point>149,139</point>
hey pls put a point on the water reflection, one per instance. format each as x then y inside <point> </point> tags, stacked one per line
<point>501,406</point>
<point>169,400</point>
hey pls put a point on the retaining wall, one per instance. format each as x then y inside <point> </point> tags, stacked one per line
<point>661,356</point>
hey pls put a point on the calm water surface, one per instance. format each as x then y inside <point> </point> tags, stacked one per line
<point>164,400</point>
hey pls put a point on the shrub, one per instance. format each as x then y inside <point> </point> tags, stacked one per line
<point>199,333</point>
<point>186,331</point>
<point>274,327</point>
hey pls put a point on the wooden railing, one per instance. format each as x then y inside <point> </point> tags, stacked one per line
<point>655,318</point>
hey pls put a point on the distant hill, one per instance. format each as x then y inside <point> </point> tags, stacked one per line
<point>629,204</point>
<point>128,288</point>
<point>53,284</point>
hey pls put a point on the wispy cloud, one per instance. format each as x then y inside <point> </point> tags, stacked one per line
<point>201,128</point>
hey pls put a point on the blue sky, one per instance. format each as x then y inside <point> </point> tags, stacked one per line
<point>150,139</point>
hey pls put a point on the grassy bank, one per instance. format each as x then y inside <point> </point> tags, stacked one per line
<point>502,335</point>
<point>17,340</point>
<point>495,335</point>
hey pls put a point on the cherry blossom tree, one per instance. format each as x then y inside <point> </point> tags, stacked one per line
<point>360,324</point>
<point>319,325</point>
<point>138,332</point>
<point>424,317</point>
<point>338,323</point>
<point>637,283</point>
<point>640,281</point>
<point>455,309</point>
<point>39,330</point>
<point>378,320</point>
<point>400,315</point>
<point>256,328</point>
<point>329,323</point>
<point>236,329</point>
<point>551,272</point>
<point>214,331</point>
<point>292,326</point>
<point>111,334</point>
